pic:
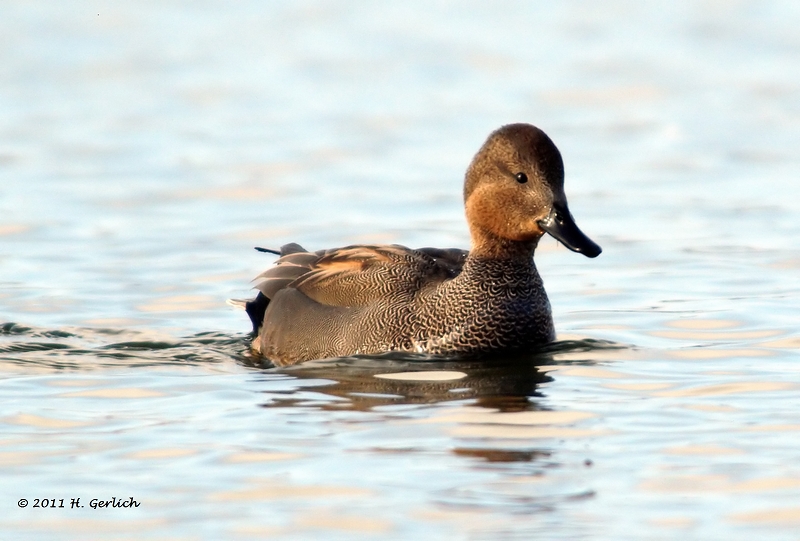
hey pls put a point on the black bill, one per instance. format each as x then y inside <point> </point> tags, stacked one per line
<point>561,226</point>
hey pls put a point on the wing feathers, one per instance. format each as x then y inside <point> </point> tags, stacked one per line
<point>358,275</point>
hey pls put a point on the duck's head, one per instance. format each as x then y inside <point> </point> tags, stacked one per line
<point>514,193</point>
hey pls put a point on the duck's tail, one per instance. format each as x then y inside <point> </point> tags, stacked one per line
<point>255,308</point>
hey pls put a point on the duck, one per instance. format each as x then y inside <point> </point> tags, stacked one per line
<point>374,299</point>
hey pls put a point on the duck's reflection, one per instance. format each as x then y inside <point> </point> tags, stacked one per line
<point>368,383</point>
<point>492,455</point>
<point>503,383</point>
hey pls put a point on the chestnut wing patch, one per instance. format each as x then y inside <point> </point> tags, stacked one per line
<point>360,275</point>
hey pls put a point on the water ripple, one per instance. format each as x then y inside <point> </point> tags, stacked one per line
<point>69,350</point>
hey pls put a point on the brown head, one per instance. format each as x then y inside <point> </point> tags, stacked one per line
<point>514,193</point>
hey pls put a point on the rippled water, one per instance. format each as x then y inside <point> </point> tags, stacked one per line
<point>146,148</point>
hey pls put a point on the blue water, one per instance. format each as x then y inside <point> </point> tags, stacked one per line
<point>146,148</point>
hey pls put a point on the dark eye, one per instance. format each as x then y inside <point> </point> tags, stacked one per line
<point>522,178</point>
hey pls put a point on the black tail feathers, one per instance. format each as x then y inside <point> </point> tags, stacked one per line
<point>255,309</point>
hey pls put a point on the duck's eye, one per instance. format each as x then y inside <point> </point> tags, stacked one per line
<point>522,178</point>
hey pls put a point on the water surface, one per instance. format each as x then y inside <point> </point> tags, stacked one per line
<point>145,149</point>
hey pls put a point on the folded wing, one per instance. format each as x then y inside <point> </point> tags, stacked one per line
<point>358,275</point>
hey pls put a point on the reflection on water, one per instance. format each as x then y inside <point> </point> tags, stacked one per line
<point>505,383</point>
<point>505,386</point>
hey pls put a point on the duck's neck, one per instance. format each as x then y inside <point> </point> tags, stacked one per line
<point>486,245</point>
<point>503,272</point>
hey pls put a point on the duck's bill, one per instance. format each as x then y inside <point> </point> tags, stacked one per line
<point>560,224</point>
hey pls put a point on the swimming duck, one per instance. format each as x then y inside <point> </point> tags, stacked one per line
<point>369,299</point>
